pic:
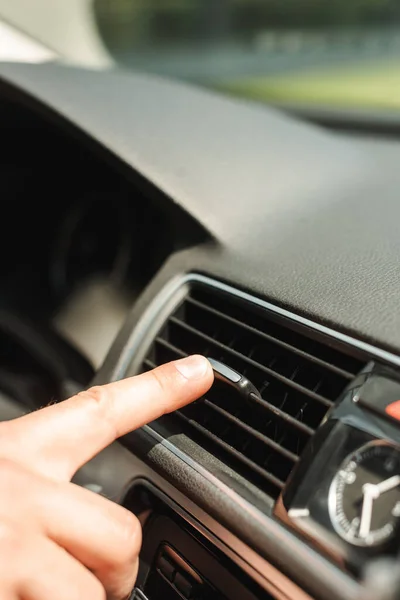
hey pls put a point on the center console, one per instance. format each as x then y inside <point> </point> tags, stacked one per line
<point>177,560</point>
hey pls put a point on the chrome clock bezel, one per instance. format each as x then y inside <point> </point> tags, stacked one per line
<point>332,498</point>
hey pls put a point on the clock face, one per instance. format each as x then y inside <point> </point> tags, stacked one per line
<point>364,498</point>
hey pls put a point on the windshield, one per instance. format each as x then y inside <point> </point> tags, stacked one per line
<point>338,53</point>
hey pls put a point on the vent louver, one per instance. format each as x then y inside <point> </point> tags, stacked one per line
<point>299,378</point>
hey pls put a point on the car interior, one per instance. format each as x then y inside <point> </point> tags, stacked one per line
<point>137,231</point>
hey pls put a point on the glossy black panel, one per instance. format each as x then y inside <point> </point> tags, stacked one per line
<point>357,447</point>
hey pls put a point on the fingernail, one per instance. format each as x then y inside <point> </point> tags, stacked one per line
<point>192,367</point>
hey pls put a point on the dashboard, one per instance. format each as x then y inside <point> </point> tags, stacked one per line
<point>266,243</point>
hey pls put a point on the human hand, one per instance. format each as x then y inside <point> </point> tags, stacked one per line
<point>59,541</point>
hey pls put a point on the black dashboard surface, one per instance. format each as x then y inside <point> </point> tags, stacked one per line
<point>303,218</point>
<point>306,219</point>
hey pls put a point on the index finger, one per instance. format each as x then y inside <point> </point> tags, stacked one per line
<point>59,439</point>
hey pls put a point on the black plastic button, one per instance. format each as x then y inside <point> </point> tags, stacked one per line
<point>166,568</point>
<point>183,585</point>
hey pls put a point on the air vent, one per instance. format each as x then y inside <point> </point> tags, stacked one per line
<point>299,378</point>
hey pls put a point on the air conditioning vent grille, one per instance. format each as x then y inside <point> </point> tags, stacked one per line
<point>299,378</point>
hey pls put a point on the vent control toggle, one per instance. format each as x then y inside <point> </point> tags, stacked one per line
<point>234,379</point>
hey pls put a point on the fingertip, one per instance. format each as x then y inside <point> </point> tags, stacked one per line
<point>210,373</point>
<point>195,367</point>
<point>208,379</point>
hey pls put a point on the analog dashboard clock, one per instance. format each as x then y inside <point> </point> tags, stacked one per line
<point>364,497</point>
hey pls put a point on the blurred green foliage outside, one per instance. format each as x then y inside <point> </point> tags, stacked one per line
<point>338,53</point>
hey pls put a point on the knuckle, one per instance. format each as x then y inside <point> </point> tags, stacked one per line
<point>130,539</point>
<point>6,465</point>
<point>164,378</point>
<point>10,473</point>
<point>6,431</point>
<point>100,402</point>
<point>97,395</point>
<point>10,539</point>
<point>12,552</point>
<point>87,587</point>
<point>96,591</point>
<point>160,379</point>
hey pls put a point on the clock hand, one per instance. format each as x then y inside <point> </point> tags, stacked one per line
<point>388,484</point>
<point>370,493</point>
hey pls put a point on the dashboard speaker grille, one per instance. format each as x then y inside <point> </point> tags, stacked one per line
<point>298,375</point>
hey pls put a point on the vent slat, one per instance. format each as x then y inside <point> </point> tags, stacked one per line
<point>238,455</point>
<point>291,421</point>
<point>309,340</point>
<point>288,419</point>
<point>298,374</point>
<point>254,433</point>
<point>272,339</point>
<point>171,347</point>
<point>149,364</point>
<point>254,363</point>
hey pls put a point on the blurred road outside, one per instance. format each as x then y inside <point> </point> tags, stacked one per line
<point>347,68</point>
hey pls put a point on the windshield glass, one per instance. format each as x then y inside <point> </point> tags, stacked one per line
<point>342,53</point>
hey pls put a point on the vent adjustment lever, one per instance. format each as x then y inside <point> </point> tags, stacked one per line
<point>234,379</point>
